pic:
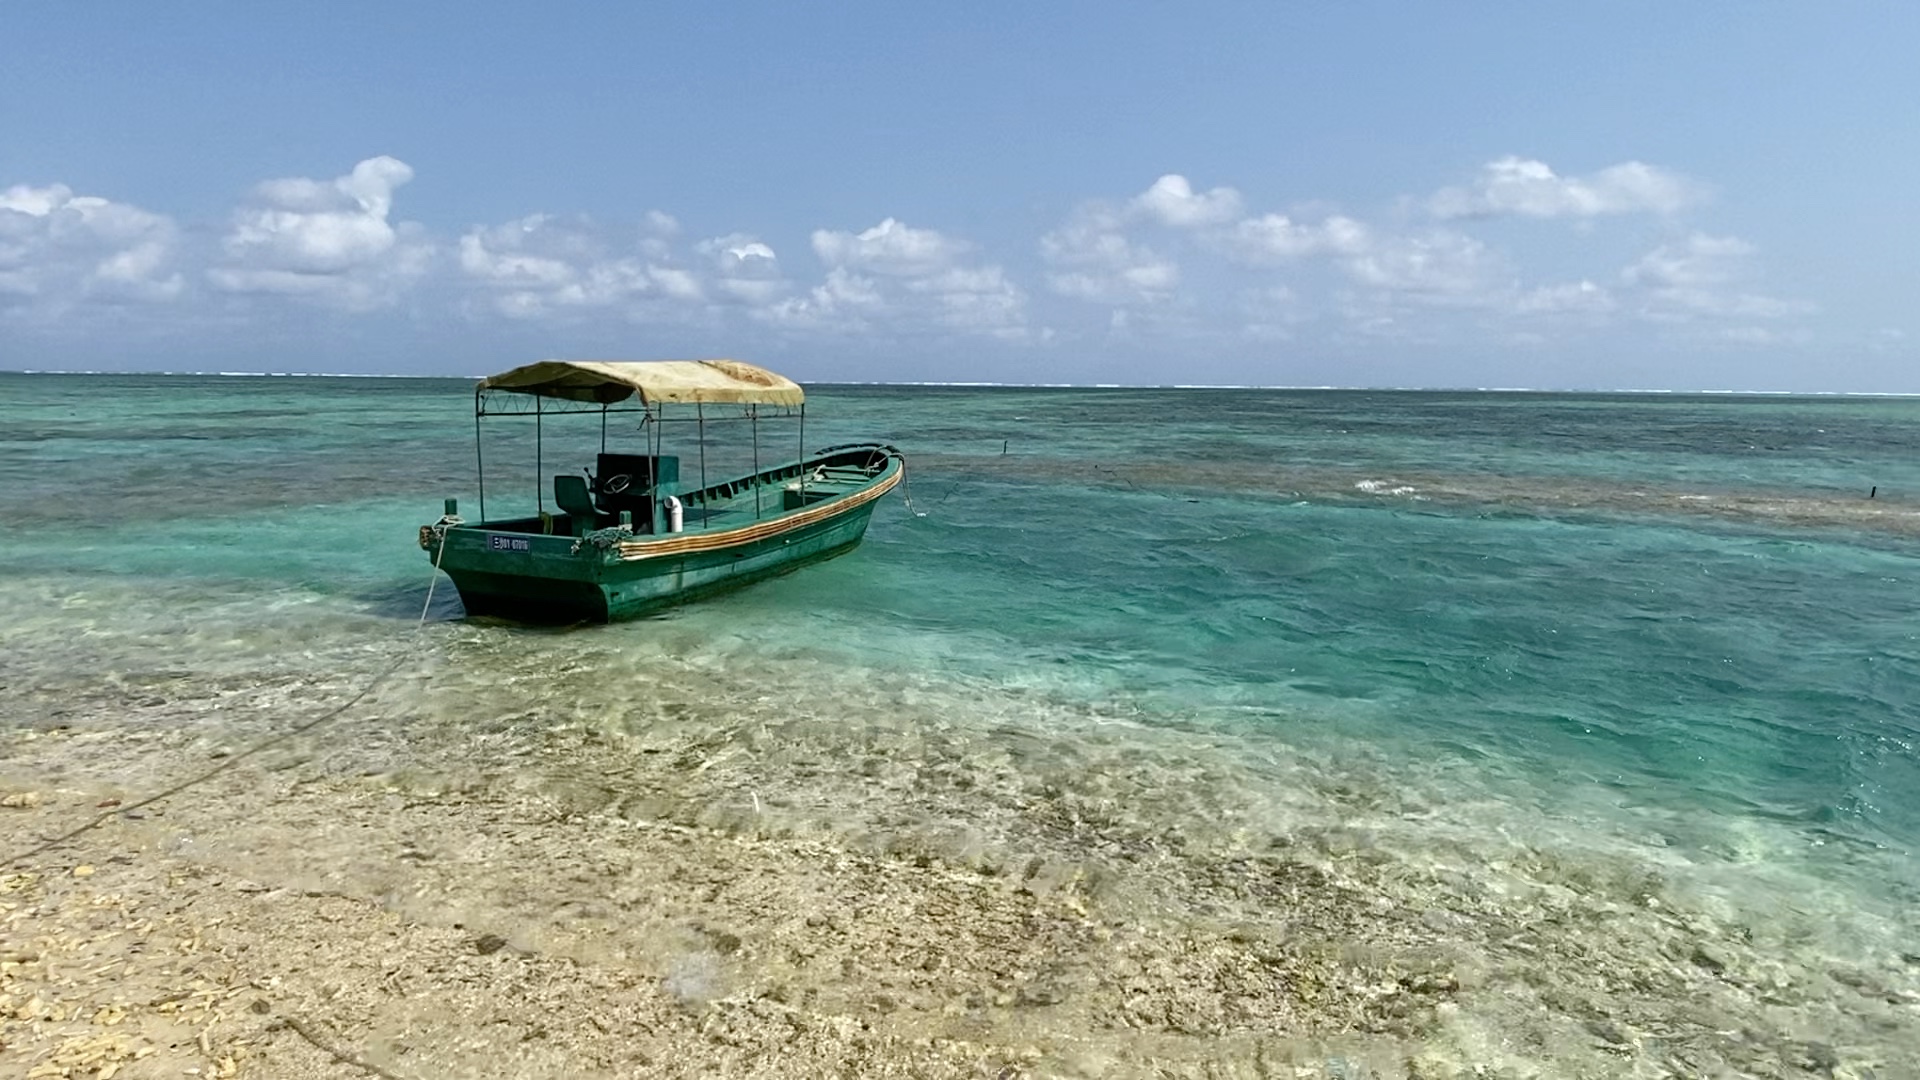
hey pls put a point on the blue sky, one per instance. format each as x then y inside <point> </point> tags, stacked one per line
<point>1710,195</point>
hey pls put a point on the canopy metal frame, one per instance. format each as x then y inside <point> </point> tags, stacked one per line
<point>652,428</point>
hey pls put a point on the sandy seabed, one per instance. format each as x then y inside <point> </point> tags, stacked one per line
<point>530,896</point>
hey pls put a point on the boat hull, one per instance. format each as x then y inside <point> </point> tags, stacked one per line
<point>566,579</point>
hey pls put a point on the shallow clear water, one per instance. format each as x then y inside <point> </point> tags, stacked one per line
<point>1673,632</point>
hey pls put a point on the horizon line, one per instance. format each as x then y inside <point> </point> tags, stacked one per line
<point>983,384</point>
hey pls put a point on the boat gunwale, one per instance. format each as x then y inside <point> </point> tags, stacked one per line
<point>687,543</point>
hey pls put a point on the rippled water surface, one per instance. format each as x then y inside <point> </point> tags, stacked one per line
<point>1657,631</point>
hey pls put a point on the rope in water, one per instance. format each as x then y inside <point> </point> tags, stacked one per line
<point>264,744</point>
<point>906,487</point>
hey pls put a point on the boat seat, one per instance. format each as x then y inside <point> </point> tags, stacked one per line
<point>570,494</point>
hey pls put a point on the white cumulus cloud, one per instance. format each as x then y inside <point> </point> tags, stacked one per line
<point>509,256</point>
<point>1695,262</point>
<point>59,250</point>
<point>975,299</point>
<point>845,301</point>
<point>1098,255</point>
<point>1701,276</point>
<point>1175,266</point>
<point>899,279</point>
<point>746,270</point>
<point>1132,252</point>
<point>541,266</point>
<point>1527,188</point>
<point>1275,238</point>
<point>1146,282</point>
<point>1094,259</point>
<point>1172,201</point>
<point>1578,297</point>
<point>889,248</point>
<point>1439,265</point>
<point>326,240</point>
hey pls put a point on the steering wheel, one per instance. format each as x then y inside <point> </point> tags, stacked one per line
<point>614,485</point>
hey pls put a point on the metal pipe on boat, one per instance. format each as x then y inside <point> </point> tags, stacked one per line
<point>479,462</point>
<point>676,514</point>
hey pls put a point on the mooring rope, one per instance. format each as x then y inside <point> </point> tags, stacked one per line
<point>264,744</point>
<point>906,486</point>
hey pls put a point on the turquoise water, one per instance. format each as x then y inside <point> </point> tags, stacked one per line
<point>1664,632</point>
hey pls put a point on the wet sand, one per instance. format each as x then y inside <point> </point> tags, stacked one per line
<point>399,894</point>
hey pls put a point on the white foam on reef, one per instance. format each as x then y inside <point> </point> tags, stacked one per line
<point>1384,487</point>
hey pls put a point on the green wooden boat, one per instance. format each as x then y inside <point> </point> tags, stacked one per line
<point>630,537</point>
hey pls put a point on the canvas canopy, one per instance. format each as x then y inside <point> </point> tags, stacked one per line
<point>655,381</point>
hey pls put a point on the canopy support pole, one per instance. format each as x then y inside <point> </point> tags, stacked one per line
<point>539,469</point>
<point>700,412</point>
<point>479,462</point>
